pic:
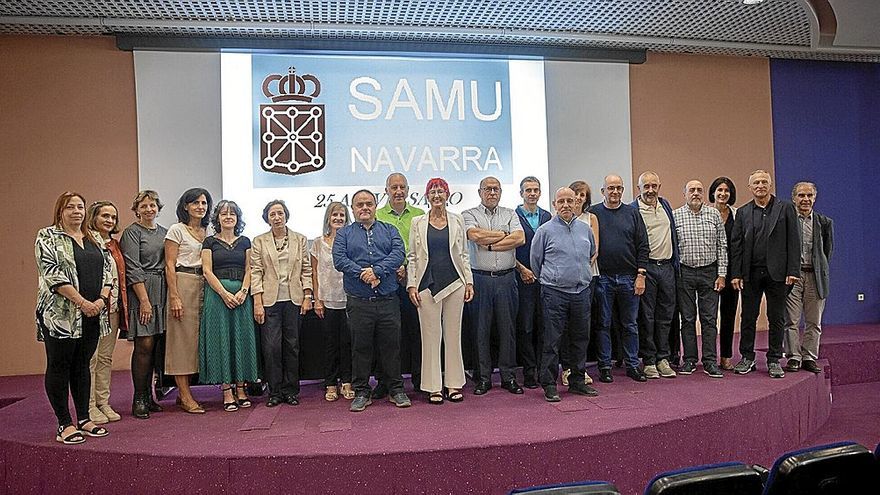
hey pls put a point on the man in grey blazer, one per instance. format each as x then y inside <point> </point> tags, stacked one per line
<point>807,296</point>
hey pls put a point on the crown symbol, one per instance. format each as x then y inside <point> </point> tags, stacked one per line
<point>291,87</point>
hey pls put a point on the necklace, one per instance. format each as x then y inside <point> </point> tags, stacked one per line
<point>198,235</point>
<point>283,245</point>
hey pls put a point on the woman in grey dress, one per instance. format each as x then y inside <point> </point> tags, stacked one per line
<point>143,246</point>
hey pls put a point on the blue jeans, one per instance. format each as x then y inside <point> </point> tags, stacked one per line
<point>619,289</point>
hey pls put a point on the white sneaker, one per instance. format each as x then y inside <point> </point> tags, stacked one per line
<point>665,370</point>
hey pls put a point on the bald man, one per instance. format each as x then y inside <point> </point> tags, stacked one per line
<point>623,263</point>
<point>560,258</point>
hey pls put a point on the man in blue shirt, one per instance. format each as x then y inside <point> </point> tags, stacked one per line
<point>623,262</point>
<point>528,317</point>
<point>368,253</point>
<point>560,259</point>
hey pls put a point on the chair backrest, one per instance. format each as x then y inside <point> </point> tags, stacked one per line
<point>714,479</point>
<point>576,488</point>
<point>844,467</point>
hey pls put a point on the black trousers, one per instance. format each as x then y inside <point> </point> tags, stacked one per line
<point>728,304</point>
<point>656,307</point>
<point>565,313</point>
<point>495,300</point>
<point>337,347</point>
<point>529,327</point>
<point>760,284</point>
<point>279,340</point>
<point>375,328</point>
<point>67,369</point>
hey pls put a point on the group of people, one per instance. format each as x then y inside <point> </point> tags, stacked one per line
<point>229,308</point>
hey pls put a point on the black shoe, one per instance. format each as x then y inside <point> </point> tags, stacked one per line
<point>579,388</point>
<point>687,368</point>
<point>550,394</point>
<point>530,382</point>
<point>291,400</point>
<point>811,366</point>
<point>512,387</point>
<point>674,362</point>
<point>482,388</point>
<point>139,408</point>
<point>275,400</point>
<point>153,405</point>
<point>360,403</point>
<point>618,363</point>
<point>793,365</point>
<point>605,375</point>
<point>712,370</point>
<point>400,399</point>
<point>636,374</point>
<point>380,392</point>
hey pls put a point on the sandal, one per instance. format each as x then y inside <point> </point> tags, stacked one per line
<point>245,401</point>
<point>454,395</point>
<point>231,406</point>
<point>95,431</point>
<point>331,394</point>
<point>72,439</point>
<point>347,391</point>
<point>435,399</point>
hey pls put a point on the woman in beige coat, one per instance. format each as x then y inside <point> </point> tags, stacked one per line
<point>439,283</point>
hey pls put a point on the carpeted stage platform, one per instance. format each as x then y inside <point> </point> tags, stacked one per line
<point>486,444</point>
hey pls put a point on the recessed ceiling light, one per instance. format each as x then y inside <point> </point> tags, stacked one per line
<point>752,2</point>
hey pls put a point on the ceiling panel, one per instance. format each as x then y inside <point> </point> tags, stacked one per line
<point>774,28</point>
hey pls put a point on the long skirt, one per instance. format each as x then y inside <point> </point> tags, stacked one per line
<point>227,339</point>
<point>182,336</point>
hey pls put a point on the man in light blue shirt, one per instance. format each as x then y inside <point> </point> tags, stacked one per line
<point>560,259</point>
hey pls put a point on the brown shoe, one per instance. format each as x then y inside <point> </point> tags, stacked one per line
<point>191,408</point>
<point>726,364</point>
<point>331,394</point>
<point>347,391</point>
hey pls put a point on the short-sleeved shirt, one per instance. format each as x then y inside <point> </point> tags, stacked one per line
<point>330,289</point>
<point>503,219</point>
<point>401,222</point>
<point>189,252</point>
<point>228,260</point>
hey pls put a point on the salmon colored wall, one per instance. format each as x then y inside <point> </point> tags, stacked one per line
<point>67,122</point>
<point>698,117</point>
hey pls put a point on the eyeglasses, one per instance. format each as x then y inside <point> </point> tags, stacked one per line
<point>491,189</point>
<point>436,192</point>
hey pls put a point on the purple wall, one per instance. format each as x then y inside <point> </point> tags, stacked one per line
<point>826,129</point>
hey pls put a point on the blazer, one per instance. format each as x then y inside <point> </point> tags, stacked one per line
<point>418,250</point>
<point>783,243</point>
<point>823,245</point>
<point>266,270</point>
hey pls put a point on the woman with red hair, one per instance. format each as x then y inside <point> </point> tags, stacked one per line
<point>439,282</point>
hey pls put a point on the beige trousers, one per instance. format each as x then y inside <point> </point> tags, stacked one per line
<point>803,300</point>
<point>101,365</point>
<point>441,325</point>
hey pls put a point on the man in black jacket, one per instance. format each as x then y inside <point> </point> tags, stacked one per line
<point>765,260</point>
<point>807,296</point>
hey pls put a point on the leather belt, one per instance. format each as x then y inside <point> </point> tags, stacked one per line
<point>188,269</point>
<point>499,273</point>
<point>807,269</point>
<point>660,262</point>
<point>373,298</point>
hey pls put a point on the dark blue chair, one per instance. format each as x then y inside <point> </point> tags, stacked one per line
<point>576,488</point>
<point>734,478</point>
<point>843,467</point>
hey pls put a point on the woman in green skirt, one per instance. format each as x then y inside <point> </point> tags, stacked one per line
<point>227,338</point>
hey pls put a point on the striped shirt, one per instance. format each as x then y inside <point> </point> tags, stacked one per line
<point>701,238</point>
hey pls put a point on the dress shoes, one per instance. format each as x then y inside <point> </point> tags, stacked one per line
<point>811,366</point>
<point>582,389</point>
<point>482,388</point>
<point>605,375</point>
<point>275,400</point>
<point>153,405</point>
<point>139,408</point>
<point>291,400</point>
<point>793,365</point>
<point>512,387</point>
<point>636,374</point>
<point>530,382</point>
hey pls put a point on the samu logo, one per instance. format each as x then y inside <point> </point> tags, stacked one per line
<point>292,134</point>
